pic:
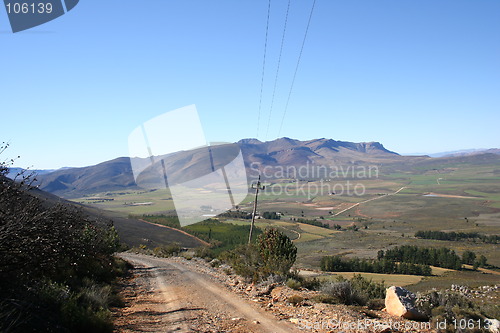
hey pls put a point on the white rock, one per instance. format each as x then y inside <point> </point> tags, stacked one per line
<point>401,303</point>
<point>493,325</point>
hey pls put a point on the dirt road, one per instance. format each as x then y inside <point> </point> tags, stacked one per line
<point>362,202</point>
<point>168,296</point>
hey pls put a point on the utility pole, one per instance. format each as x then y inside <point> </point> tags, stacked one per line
<point>257,188</point>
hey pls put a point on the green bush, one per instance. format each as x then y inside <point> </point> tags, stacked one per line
<point>277,251</point>
<point>245,261</point>
<point>293,284</point>
<point>274,254</point>
<point>204,252</point>
<point>368,289</point>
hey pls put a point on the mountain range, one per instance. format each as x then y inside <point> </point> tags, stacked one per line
<point>117,174</point>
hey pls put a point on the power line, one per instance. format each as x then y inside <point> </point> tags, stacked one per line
<point>263,67</point>
<point>297,67</point>
<point>278,68</point>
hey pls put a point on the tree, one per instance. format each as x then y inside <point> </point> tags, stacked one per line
<point>481,262</point>
<point>468,257</point>
<point>274,253</point>
<point>277,251</point>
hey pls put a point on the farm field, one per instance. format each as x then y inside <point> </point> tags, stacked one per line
<point>388,212</point>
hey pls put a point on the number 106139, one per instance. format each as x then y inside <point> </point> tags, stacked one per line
<point>29,8</point>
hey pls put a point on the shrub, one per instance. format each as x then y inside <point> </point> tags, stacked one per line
<point>342,292</point>
<point>368,289</point>
<point>311,283</point>
<point>356,291</point>
<point>166,251</point>
<point>215,263</point>
<point>295,299</point>
<point>322,298</point>
<point>272,279</point>
<point>277,252</point>
<point>376,304</point>
<point>245,261</point>
<point>293,284</point>
<point>274,254</point>
<point>204,252</point>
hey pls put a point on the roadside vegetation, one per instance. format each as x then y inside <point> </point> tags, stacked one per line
<point>272,254</point>
<point>56,264</point>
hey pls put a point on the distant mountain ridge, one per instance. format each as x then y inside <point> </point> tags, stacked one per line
<point>286,151</point>
<point>117,174</point>
<point>466,152</point>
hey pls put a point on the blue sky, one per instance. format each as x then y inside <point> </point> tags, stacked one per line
<point>417,76</point>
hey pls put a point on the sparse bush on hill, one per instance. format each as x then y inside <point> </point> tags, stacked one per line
<point>169,221</point>
<point>341,292</point>
<point>358,290</point>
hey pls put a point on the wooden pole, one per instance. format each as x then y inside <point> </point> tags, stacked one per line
<point>257,188</point>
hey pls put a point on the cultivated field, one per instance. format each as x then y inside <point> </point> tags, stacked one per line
<point>385,211</point>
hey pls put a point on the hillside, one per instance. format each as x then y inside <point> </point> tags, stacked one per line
<point>107,176</point>
<point>132,232</point>
<point>116,174</point>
